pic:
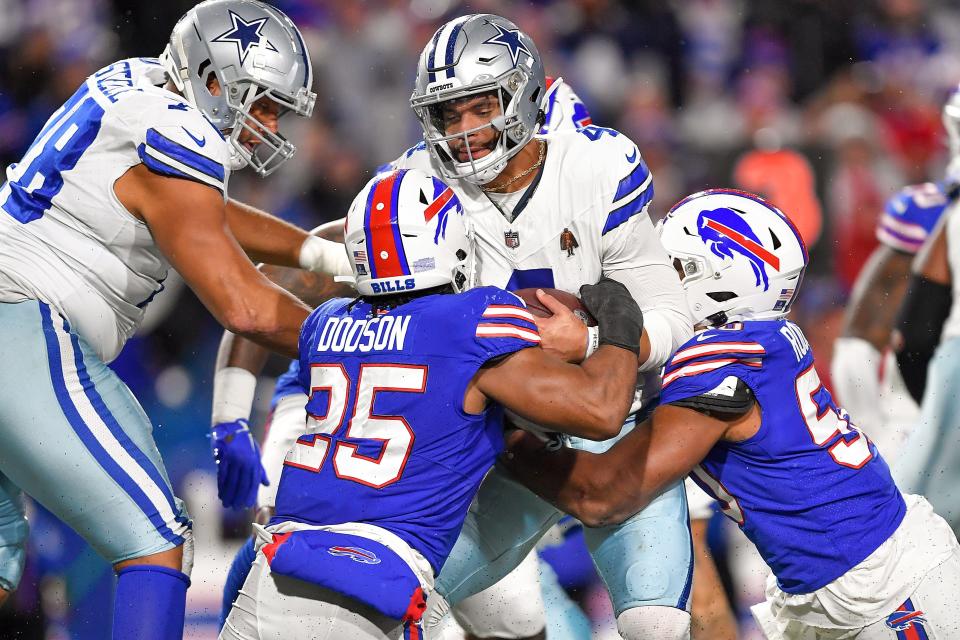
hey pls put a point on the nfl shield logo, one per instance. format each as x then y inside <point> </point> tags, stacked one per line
<point>512,239</point>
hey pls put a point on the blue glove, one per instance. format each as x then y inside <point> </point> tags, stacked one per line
<point>239,471</point>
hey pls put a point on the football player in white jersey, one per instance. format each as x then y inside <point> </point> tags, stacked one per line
<point>583,196</point>
<point>863,368</point>
<point>126,179</point>
<point>929,347</point>
<point>557,211</point>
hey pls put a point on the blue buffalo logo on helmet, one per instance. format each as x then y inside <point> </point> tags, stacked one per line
<point>357,554</point>
<point>726,233</point>
<point>444,201</point>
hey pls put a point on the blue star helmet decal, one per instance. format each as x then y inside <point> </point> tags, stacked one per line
<point>245,35</point>
<point>509,38</point>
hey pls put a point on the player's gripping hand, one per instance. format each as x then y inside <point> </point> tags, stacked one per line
<point>239,471</point>
<point>618,317</point>
<point>563,333</point>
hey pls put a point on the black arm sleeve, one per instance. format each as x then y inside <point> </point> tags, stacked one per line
<point>924,310</point>
<point>732,398</point>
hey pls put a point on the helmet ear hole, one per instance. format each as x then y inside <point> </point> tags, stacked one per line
<point>776,240</point>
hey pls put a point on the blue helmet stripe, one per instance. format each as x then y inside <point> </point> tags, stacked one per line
<point>394,221</point>
<point>431,59</point>
<point>451,47</point>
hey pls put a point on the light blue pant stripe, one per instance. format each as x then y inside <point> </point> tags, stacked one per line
<point>86,435</point>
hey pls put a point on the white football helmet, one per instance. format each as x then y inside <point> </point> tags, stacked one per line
<point>406,231</point>
<point>254,51</point>
<point>477,54</point>
<point>739,257</point>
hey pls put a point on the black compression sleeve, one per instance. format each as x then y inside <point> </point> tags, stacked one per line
<point>732,398</point>
<point>925,308</point>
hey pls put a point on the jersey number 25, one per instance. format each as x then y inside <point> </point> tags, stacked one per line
<point>310,451</point>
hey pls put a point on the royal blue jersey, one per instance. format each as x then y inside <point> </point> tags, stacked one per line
<point>388,442</point>
<point>287,384</point>
<point>910,216</point>
<point>808,489</point>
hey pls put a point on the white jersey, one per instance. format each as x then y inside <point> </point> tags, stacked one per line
<point>951,328</point>
<point>66,238</point>
<point>584,216</point>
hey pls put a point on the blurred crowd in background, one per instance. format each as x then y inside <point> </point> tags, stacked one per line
<point>824,107</point>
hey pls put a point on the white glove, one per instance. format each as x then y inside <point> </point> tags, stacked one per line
<point>323,256</point>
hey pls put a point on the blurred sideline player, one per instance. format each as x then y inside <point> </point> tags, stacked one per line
<point>128,177</point>
<point>479,96</point>
<point>743,411</point>
<point>358,538</point>
<point>865,373</point>
<point>929,341</point>
<point>234,387</point>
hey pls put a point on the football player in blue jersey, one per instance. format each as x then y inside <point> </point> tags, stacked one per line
<point>743,412</point>
<point>406,390</point>
<point>126,179</point>
<point>866,375</point>
<point>559,210</point>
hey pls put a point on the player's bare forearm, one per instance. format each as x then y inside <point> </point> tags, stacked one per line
<point>210,259</point>
<point>877,296</point>
<point>265,238</point>
<point>561,477</point>
<point>933,262</point>
<point>237,351</point>
<point>312,288</point>
<point>606,489</point>
<point>589,400</point>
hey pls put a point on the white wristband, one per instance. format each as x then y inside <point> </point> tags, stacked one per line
<point>323,256</point>
<point>593,341</point>
<point>233,391</point>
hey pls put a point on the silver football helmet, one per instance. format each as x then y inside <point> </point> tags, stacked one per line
<point>472,55</point>
<point>254,51</point>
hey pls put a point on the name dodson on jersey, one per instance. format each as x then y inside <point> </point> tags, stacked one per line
<point>345,334</point>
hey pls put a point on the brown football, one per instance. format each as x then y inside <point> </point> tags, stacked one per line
<point>568,300</point>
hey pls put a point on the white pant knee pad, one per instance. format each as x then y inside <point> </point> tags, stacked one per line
<point>512,608</point>
<point>186,565</point>
<point>663,623</point>
<point>13,538</point>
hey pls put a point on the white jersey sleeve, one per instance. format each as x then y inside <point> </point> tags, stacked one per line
<point>67,239</point>
<point>631,251</point>
<point>174,139</point>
